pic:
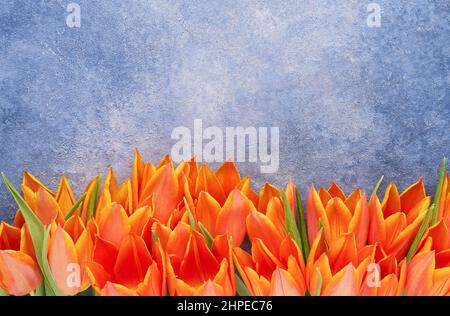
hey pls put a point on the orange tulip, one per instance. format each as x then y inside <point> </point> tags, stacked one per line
<point>384,276</point>
<point>47,205</point>
<point>129,269</point>
<point>19,272</point>
<point>395,222</point>
<point>269,270</point>
<point>424,278</point>
<point>69,249</point>
<point>444,205</point>
<point>193,268</point>
<point>338,214</point>
<point>228,219</point>
<point>340,268</point>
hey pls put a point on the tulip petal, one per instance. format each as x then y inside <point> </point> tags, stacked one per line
<point>259,226</point>
<point>339,218</point>
<point>283,284</point>
<point>19,273</point>
<point>420,274</point>
<point>113,224</point>
<point>231,219</point>
<point>113,289</point>
<point>344,283</point>
<point>228,176</point>
<point>133,260</point>
<point>62,257</point>
<point>207,211</point>
<point>163,187</point>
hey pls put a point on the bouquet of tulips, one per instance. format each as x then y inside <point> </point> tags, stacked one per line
<point>187,230</point>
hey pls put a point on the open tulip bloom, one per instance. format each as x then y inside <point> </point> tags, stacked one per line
<point>187,230</point>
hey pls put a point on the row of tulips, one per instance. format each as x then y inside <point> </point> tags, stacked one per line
<point>191,231</point>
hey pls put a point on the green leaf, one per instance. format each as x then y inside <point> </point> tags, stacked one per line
<point>50,284</point>
<point>40,290</point>
<point>241,289</point>
<point>289,221</point>
<point>437,195</point>
<point>377,186</point>
<point>319,282</point>
<point>420,233</point>
<point>209,239</point>
<point>34,224</point>
<point>38,234</point>
<point>3,293</point>
<point>74,207</point>
<point>93,199</point>
<point>154,235</point>
<point>320,224</point>
<point>191,217</point>
<point>301,225</point>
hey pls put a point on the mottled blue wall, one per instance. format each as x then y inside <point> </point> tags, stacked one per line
<point>352,102</point>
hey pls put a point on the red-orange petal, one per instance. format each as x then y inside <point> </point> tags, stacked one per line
<point>231,219</point>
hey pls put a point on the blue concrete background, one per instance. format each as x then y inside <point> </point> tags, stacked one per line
<point>352,102</point>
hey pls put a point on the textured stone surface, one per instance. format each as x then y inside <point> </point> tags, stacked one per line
<point>352,102</point>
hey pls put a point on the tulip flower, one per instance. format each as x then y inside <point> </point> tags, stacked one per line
<point>338,214</point>
<point>395,222</point>
<point>384,276</point>
<point>280,272</point>
<point>69,249</point>
<point>19,272</point>
<point>129,269</point>
<point>193,268</point>
<point>424,278</point>
<point>335,269</point>
<point>444,205</point>
<point>227,219</point>
<point>122,262</point>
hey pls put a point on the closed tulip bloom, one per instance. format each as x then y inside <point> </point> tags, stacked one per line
<point>396,220</point>
<point>69,249</point>
<point>338,214</point>
<point>338,266</point>
<point>193,268</point>
<point>19,272</point>
<point>129,269</point>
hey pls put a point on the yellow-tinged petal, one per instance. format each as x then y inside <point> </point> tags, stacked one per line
<point>391,202</point>
<point>412,196</point>
<point>136,181</point>
<point>259,226</point>
<point>339,218</point>
<point>377,226</point>
<point>265,195</point>
<point>33,183</point>
<point>315,211</point>
<point>359,224</point>
<point>64,195</point>
<point>207,211</point>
